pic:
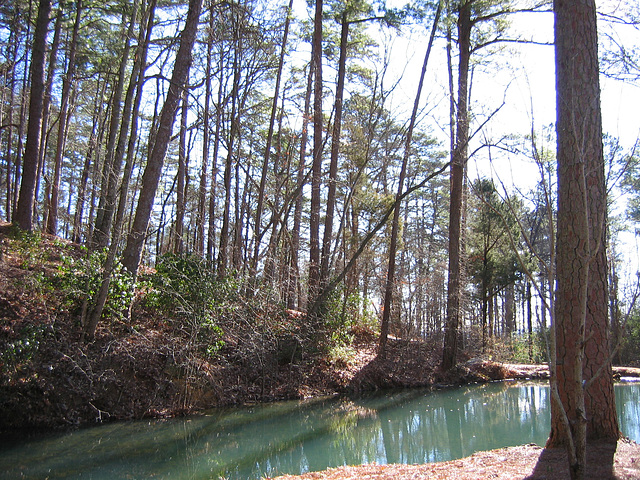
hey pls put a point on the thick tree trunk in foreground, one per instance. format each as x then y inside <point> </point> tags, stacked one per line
<point>581,295</point>
<point>24,210</point>
<point>153,170</point>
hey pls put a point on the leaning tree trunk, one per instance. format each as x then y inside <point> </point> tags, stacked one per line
<point>393,242</point>
<point>116,141</point>
<point>92,316</point>
<point>155,162</point>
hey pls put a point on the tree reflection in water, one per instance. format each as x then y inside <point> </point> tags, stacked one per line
<point>409,426</point>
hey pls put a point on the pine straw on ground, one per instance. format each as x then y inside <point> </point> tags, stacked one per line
<point>529,462</point>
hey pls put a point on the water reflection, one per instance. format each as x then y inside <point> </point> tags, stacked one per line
<point>411,426</point>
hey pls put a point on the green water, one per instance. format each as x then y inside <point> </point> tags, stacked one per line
<point>410,426</point>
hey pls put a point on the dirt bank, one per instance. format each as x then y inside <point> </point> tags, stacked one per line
<point>142,368</point>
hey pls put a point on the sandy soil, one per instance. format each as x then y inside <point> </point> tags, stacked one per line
<point>604,461</point>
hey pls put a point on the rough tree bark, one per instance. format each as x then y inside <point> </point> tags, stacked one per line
<point>582,364</point>
<point>316,168</point>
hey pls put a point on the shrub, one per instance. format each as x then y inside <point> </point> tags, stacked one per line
<point>520,348</point>
<point>23,348</point>
<point>187,290</point>
<point>346,315</point>
<point>79,280</point>
<point>29,248</point>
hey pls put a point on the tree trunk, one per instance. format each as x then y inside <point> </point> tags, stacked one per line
<point>267,153</point>
<point>393,242</point>
<point>24,210</point>
<point>223,252</point>
<point>614,307</point>
<point>600,401</point>
<point>294,277</point>
<point>335,150</point>
<point>46,101</point>
<point>63,119</point>
<point>458,162</point>
<point>93,315</point>
<point>530,319</point>
<point>118,129</point>
<point>581,295</point>
<point>10,78</point>
<point>84,179</point>
<point>155,162</point>
<point>316,168</point>
<point>206,142</point>
<point>177,241</point>
<point>22,124</point>
<point>211,237</point>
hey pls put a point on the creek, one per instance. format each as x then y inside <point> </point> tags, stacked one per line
<point>251,442</point>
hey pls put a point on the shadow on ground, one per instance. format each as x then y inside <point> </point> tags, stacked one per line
<point>553,463</point>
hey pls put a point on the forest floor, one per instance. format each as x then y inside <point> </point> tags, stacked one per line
<point>50,378</point>
<point>530,462</point>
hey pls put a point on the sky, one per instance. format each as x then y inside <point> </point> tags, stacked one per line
<point>525,83</point>
<point>521,82</point>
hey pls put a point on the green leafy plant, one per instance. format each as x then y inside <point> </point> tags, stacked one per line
<point>29,248</point>
<point>187,290</point>
<point>23,348</point>
<point>79,280</point>
<point>521,348</point>
<point>347,314</point>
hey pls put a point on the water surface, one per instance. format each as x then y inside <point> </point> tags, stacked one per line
<point>410,426</point>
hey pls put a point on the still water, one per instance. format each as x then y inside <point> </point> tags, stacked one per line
<point>410,426</point>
